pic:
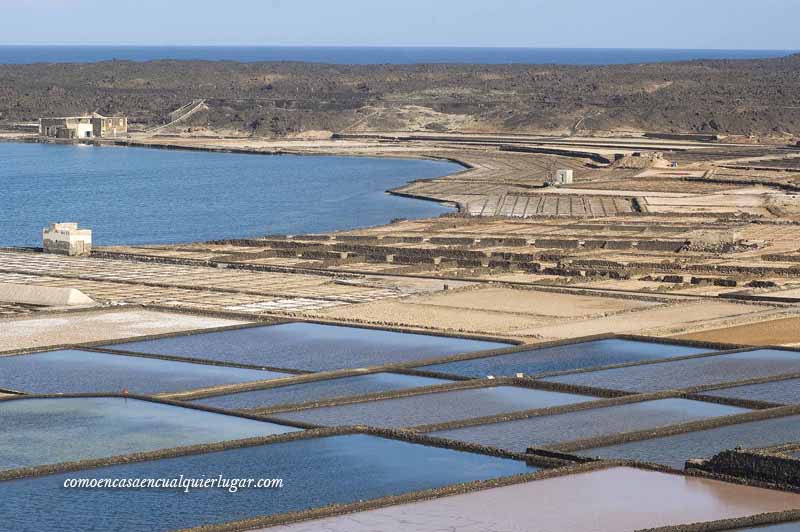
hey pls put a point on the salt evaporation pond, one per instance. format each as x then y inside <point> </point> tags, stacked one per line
<point>675,450</point>
<point>542,431</point>
<point>566,357</point>
<point>435,407</point>
<point>316,472</point>
<point>309,346</point>
<point>608,500</point>
<point>148,196</point>
<point>48,431</point>
<point>319,390</point>
<point>782,392</point>
<point>688,373</point>
<point>75,371</point>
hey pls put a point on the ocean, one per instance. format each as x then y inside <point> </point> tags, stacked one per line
<point>140,195</point>
<point>369,55</point>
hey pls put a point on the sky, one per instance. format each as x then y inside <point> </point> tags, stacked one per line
<point>722,24</point>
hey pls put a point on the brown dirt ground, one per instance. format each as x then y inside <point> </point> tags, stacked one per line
<point>531,302</point>
<point>776,332</point>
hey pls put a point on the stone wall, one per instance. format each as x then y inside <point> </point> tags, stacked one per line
<point>759,465</point>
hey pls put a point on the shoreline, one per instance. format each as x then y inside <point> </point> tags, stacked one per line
<point>453,208</point>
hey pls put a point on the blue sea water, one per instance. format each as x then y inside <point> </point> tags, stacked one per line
<point>369,54</point>
<point>140,195</point>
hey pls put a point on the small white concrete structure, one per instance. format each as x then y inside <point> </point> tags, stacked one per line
<point>67,239</point>
<point>45,296</point>
<point>564,177</point>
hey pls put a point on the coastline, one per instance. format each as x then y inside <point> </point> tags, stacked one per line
<point>278,148</point>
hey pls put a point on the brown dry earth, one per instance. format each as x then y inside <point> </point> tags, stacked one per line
<point>776,332</point>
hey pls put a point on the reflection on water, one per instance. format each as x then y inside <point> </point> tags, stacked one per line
<point>436,407</point>
<point>309,346</point>
<point>783,392</point>
<point>49,431</point>
<point>566,357</point>
<point>674,451</point>
<point>319,390</point>
<point>688,373</point>
<point>87,371</point>
<point>549,430</point>
<point>316,472</point>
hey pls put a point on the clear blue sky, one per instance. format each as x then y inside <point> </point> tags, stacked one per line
<point>742,24</point>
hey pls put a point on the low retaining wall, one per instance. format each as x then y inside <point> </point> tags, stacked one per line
<point>755,464</point>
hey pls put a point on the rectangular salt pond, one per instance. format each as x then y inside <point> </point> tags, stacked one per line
<point>782,392</point>
<point>565,357</point>
<point>688,373</point>
<point>316,472</point>
<point>609,500</point>
<point>309,346</point>
<point>319,390</point>
<point>675,450</point>
<point>49,431</point>
<point>74,371</point>
<point>543,431</point>
<point>435,407</point>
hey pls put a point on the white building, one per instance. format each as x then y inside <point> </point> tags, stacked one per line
<point>564,177</point>
<point>67,239</point>
<point>83,127</point>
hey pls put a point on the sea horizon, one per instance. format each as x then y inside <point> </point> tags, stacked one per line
<point>349,54</point>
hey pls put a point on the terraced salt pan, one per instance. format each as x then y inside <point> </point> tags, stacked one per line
<point>782,392</point>
<point>611,500</point>
<point>310,346</point>
<point>688,373</point>
<point>565,357</point>
<point>675,450</point>
<point>48,431</point>
<point>435,407</point>
<point>319,390</point>
<point>316,472</point>
<point>543,431</point>
<point>74,371</point>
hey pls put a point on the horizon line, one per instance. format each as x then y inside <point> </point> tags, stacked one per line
<point>441,46</point>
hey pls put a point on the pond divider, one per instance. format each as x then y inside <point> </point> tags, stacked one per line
<point>762,465</point>
<point>683,428</point>
<point>175,452</point>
